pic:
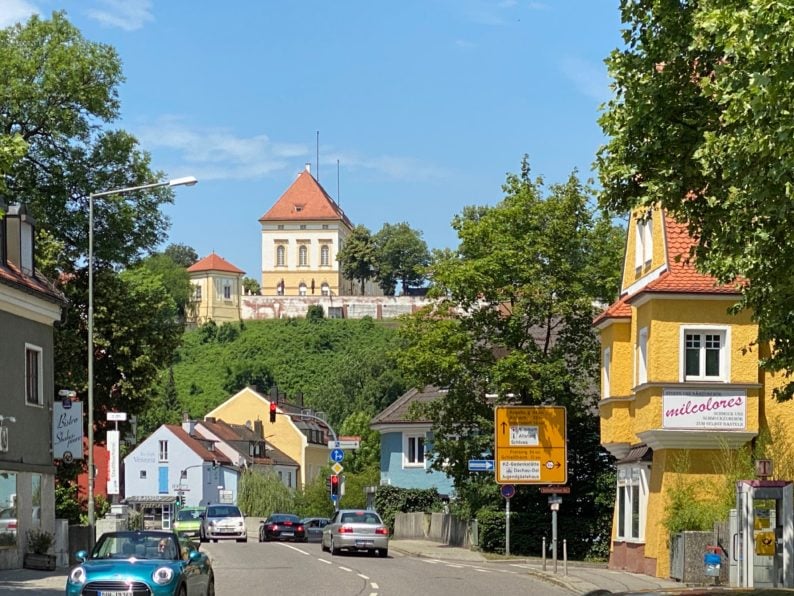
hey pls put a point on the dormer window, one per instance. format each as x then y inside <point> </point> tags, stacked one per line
<point>298,208</point>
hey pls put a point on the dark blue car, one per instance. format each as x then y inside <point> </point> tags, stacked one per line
<point>134,563</point>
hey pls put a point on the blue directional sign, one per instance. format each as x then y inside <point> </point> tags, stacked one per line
<point>337,455</point>
<point>480,465</point>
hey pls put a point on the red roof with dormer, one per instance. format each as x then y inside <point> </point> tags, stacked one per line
<point>213,263</point>
<point>680,276</point>
<point>197,446</point>
<point>305,200</point>
<point>35,283</point>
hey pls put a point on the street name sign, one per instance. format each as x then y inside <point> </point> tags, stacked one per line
<point>531,445</point>
<point>351,442</point>
<point>555,490</point>
<point>481,465</point>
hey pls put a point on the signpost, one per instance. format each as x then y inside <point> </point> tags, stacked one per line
<point>507,490</point>
<point>481,465</point>
<point>531,445</point>
<point>337,455</point>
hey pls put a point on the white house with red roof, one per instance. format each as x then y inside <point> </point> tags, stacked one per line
<point>302,234</point>
<point>217,289</point>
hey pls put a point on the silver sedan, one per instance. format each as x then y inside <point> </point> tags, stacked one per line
<point>356,529</point>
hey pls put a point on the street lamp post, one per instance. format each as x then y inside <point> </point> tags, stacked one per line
<point>187,181</point>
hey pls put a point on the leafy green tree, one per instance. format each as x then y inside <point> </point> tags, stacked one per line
<point>526,276</point>
<point>401,257</point>
<point>163,407</point>
<point>251,286</point>
<point>181,254</point>
<point>701,124</point>
<point>12,148</point>
<point>367,456</point>
<point>174,277</point>
<point>262,493</point>
<point>357,257</point>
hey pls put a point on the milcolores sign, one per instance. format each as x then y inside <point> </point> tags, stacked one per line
<point>704,409</point>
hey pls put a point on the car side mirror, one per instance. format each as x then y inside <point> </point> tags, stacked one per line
<point>194,555</point>
<point>81,555</point>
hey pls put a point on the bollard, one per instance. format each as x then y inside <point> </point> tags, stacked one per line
<point>544,553</point>
<point>565,556</point>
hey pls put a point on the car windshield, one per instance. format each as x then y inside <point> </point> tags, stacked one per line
<point>223,511</point>
<point>281,518</point>
<point>189,515</point>
<point>141,545</point>
<point>360,517</point>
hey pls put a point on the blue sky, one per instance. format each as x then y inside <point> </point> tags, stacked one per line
<point>425,104</point>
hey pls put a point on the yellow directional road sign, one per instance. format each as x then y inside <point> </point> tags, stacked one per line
<point>531,446</point>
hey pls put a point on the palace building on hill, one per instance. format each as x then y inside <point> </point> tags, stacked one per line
<point>302,235</point>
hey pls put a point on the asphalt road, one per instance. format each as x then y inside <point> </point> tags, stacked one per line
<point>304,569</point>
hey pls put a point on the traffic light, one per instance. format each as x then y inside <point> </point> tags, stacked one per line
<point>328,483</point>
<point>272,412</point>
<point>179,501</point>
<point>334,485</point>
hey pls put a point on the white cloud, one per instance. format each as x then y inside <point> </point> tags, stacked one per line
<point>124,14</point>
<point>217,153</point>
<point>590,79</point>
<point>220,154</point>
<point>15,11</point>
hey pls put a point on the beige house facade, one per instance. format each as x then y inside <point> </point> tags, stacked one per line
<point>217,290</point>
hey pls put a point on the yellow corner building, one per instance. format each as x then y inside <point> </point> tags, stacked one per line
<point>680,382</point>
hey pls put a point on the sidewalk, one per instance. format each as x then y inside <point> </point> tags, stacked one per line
<point>580,579</point>
<point>29,581</point>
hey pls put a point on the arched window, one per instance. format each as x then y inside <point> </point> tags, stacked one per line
<point>302,289</point>
<point>281,256</point>
<point>325,289</point>
<point>303,256</point>
<point>325,256</point>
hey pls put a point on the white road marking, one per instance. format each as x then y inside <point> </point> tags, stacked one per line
<point>326,561</point>
<point>295,548</point>
<point>483,570</point>
<point>345,569</point>
<point>374,585</point>
<point>455,566</point>
<point>362,576</point>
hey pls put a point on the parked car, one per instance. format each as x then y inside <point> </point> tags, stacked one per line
<point>188,521</point>
<point>314,528</point>
<point>8,521</point>
<point>138,562</point>
<point>223,522</point>
<point>356,529</point>
<point>282,526</point>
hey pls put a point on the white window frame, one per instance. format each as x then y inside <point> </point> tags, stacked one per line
<point>163,451</point>
<point>281,256</point>
<point>197,292</point>
<point>325,256</point>
<point>642,356</point>
<point>415,438</point>
<point>724,332</point>
<point>631,495</point>
<point>227,290</point>
<point>606,370</point>
<point>301,289</point>
<point>303,256</point>
<point>38,399</point>
<point>643,242</point>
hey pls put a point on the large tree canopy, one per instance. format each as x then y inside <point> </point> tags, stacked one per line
<point>58,96</point>
<point>402,256</point>
<point>701,123</point>
<point>513,326</point>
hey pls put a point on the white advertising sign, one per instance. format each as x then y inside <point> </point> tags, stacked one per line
<point>67,430</point>
<point>704,409</point>
<point>113,462</point>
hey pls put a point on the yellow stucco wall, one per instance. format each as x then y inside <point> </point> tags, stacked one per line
<point>631,273</point>
<point>283,434</point>
<point>211,306</point>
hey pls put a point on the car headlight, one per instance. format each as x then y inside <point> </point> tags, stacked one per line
<point>77,575</point>
<point>163,575</point>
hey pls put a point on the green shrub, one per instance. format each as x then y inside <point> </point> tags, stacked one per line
<point>40,541</point>
<point>315,313</point>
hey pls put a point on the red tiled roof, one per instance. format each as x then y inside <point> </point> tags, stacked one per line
<point>681,275</point>
<point>305,199</point>
<point>197,446</point>
<point>213,262</point>
<point>617,310</point>
<point>11,275</point>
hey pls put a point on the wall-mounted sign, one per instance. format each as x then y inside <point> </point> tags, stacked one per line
<point>704,409</point>
<point>67,430</point>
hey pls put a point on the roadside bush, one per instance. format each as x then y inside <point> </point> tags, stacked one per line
<point>260,494</point>
<point>526,532</point>
<point>390,500</point>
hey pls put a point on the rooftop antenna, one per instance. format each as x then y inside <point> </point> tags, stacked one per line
<point>338,196</point>
<point>318,157</point>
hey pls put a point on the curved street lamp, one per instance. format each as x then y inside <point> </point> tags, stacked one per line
<point>186,181</point>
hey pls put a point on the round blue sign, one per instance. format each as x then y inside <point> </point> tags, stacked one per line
<point>337,455</point>
<point>508,490</point>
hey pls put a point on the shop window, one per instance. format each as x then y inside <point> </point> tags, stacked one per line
<point>8,508</point>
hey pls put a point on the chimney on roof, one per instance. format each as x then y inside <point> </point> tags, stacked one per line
<point>309,167</point>
<point>20,238</point>
<point>188,425</point>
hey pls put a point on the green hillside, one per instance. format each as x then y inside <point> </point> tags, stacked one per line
<point>340,366</point>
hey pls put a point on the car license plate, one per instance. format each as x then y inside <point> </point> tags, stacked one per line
<point>287,534</point>
<point>364,542</point>
<point>116,593</point>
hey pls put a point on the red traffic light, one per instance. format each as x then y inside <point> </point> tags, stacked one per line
<point>335,485</point>
<point>272,412</point>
